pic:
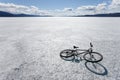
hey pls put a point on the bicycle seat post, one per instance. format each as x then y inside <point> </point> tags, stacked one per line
<point>91,45</point>
<point>91,48</point>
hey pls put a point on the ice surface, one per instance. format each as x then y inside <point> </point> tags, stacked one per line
<point>30,48</point>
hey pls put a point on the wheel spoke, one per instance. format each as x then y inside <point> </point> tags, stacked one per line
<point>93,57</point>
<point>67,55</point>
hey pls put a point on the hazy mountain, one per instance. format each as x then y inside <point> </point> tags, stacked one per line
<point>8,14</point>
<point>101,15</point>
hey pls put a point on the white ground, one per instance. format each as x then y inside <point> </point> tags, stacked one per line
<point>30,47</point>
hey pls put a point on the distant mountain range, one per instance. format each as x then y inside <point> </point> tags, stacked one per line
<point>101,15</point>
<point>8,14</point>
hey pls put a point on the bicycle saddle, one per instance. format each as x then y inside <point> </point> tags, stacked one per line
<point>75,47</point>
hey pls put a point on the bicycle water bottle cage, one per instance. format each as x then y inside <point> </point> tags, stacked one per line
<point>75,47</point>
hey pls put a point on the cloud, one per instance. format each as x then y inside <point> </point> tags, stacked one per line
<point>62,12</point>
<point>88,8</point>
<point>113,6</point>
<point>102,6</point>
<point>13,8</point>
<point>105,7</point>
<point>115,3</point>
<point>67,9</point>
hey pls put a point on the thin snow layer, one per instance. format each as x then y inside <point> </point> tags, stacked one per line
<point>30,48</point>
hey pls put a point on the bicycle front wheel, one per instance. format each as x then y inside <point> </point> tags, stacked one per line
<point>67,54</point>
<point>93,57</point>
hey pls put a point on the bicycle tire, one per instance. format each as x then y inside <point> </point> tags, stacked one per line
<point>67,54</point>
<point>88,58</point>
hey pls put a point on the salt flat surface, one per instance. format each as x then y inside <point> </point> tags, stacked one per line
<point>30,48</point>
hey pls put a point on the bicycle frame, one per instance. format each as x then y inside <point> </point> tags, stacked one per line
<point>89,51</point>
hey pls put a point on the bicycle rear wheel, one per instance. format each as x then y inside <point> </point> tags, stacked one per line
<point>93,57</point>
<point>67,54</point>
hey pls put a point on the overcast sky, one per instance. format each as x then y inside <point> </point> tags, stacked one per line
<point>60,7</point>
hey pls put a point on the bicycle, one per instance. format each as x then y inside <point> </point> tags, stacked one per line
<point>88,54</point>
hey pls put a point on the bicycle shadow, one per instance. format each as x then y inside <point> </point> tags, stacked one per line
<point>73,59</point>
<point>95,68</point>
